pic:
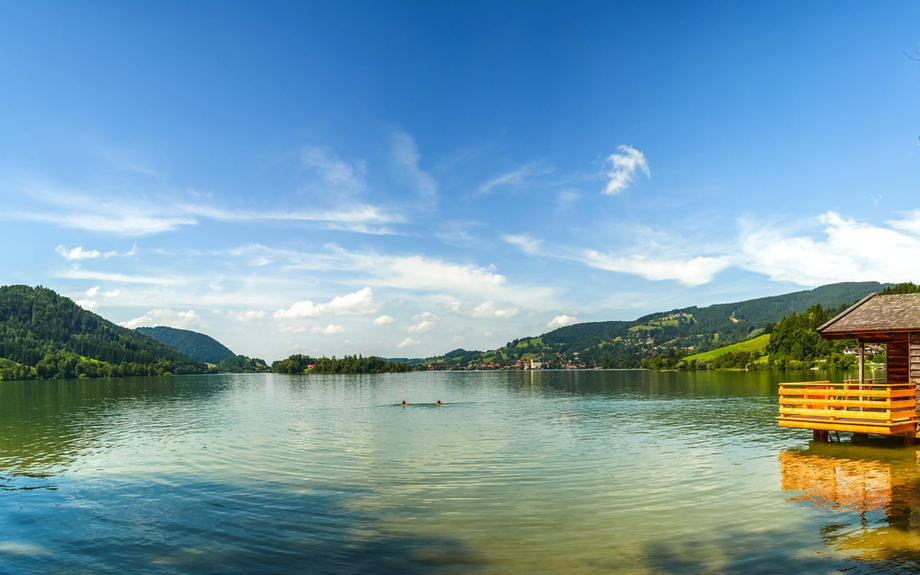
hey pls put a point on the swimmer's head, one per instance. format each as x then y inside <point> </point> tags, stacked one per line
<point>439,402</point>
<point>404,403</point>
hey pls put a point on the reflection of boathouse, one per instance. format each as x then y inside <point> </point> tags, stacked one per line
<point>885,407</point>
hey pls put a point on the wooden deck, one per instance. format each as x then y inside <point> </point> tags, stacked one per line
<point>873,407</point>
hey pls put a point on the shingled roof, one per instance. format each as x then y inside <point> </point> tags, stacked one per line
<point>876,315</point>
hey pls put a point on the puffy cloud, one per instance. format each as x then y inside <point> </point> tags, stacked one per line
<point>625,165</point>
<point>92,291</point>
<point>850,251</point>
<point>487,308</point>
<point>182,319</point>
<point>421,327</point>
<point>87,304</point>
<point>331,329</point>
<point>424,315</point>
<point>77,253</point>
<point>561,321</point>
<point>383,320</point>
<point>250,315</point>
<point>408,341</point>
<point>360,302</point>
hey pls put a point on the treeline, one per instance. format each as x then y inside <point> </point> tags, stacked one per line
<point>794,344</point>
<point>45,335</point>
<point>197,346</point>
<point>349,364</point>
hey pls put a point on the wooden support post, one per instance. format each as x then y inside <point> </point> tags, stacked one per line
<point>862,368</point>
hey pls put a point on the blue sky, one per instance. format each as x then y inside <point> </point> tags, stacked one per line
<point>405,178</point>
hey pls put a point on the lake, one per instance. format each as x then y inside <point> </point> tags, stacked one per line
<point>521,472</point>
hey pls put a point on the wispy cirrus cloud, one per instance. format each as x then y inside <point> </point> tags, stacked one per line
<point>334,173</point>
<point>407,157</point>
<point>513,178</point>
<point>624,166</point>
<point>142,216</point>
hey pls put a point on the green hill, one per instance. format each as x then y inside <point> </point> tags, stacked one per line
<point>624,344</point>
<point>197,346</point>
<point>758,343</point>
<point>49,336</point>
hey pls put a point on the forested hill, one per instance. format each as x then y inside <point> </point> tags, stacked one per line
<point>47,335</point>
<point>624,344</point>
<point>732,321</point>
<point>197,346</point>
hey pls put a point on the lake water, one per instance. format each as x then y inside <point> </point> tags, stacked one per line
<point>524,472</point>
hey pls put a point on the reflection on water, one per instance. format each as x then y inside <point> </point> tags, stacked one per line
<point>542,472</point>
<point>873,501</point>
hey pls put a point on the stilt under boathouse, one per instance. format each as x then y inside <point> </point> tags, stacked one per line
<point>886,406</point>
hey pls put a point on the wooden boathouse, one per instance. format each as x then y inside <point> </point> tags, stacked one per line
<point>880,406</point>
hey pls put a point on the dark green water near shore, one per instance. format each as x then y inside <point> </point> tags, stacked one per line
<point>546,472</point>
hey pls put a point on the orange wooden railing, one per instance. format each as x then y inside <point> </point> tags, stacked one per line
<point>874,407</point>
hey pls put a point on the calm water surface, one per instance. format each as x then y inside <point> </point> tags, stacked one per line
<point>544,472</point>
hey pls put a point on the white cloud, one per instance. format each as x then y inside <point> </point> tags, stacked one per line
<point>408,341</point>
<point>568,198</point>
<point>488,309</point>
<point>138,216</point>
<point>383,320</point>
<point>251,315</point>
<point>691,272</point>
<point>360,302</point>
<point>513,178</point>
<point>424,316</point>
<point>850,251</point>
<point>527,244</point>
<point>561,321</point>
<point>406,156</point>
<point>87,304</point>
<point>421,327</point>
<point>77,253</point>
<point>624,166</point>
<point>112,293</point>
<point>92,291</point>
<point>338,174</point>
<point>331,329</point>
<point>167,317</point>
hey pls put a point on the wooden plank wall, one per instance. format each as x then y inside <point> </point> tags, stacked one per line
<point>899,360</point>
<point>915,368</point>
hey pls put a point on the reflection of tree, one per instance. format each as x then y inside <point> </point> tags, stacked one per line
<point>877,501</point>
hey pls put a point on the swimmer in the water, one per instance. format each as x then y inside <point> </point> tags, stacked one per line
<point>404,403</point>
<point>439,402</point>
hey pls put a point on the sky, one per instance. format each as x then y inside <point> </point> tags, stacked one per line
<point>405,178</point>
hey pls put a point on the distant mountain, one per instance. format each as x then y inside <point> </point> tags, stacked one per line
<point>197,346</point>
<point>734,321</point>
<point>47,335</point>
<point>624,344</point>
